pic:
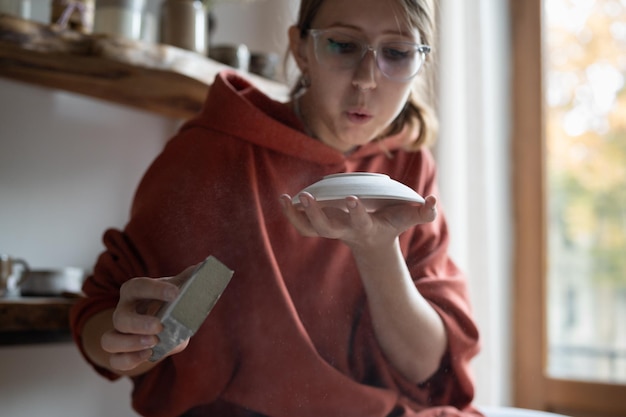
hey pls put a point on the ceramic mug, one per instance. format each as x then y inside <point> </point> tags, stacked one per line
<point>7,264</point>
<point>234,55</point>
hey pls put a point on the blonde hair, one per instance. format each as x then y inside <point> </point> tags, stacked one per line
<point>418,118</point>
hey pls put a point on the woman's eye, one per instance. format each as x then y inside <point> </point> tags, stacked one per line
<point>341,47</point>
<point>398,52</point>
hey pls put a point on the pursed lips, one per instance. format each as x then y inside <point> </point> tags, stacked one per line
<point>359,115</point>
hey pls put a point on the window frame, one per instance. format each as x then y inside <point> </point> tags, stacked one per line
<point>532,387</point>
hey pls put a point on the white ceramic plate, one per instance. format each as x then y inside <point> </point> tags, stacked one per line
<point>374,190</point>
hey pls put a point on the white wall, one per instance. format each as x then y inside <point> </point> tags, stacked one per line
<point>52,380</point>
<point>68,169</point>
<point>260,24</point>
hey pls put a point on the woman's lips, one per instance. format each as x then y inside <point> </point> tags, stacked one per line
<point>359,116</point>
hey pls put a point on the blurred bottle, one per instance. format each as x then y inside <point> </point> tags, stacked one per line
<point>183,23</point>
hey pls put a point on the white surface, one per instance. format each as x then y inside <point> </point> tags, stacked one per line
<point>515,412</point>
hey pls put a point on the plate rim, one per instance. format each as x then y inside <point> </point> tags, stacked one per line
<point>421,200</point>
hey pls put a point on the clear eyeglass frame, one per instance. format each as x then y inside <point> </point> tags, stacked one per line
<point>421,52</point>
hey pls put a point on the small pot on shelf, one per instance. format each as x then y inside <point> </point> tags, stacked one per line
<point>60,282</point>
<point>184,23</point>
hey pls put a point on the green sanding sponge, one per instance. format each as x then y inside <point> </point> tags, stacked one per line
<point>182,317</point>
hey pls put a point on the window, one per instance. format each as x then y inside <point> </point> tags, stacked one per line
<point>569,155</point>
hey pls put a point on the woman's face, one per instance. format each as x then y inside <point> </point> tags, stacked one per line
<point>348,107</point>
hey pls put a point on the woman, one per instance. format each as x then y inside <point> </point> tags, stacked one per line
<point>329,312</point>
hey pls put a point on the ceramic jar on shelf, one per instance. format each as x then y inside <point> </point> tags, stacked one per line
<point>183,23</point>
<point>125,18</point>
<point>10,279</point>
<point>19,8</point>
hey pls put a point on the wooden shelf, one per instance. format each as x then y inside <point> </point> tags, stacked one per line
<point>158,78</point>
<point>31,314</point>
<point>35,320</point>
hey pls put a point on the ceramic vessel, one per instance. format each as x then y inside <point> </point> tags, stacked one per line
<point>235,55</point>
<point>120,18</point>
<point>183,23</point>
<point>10,277</point>
<point>375,191</point>
<point>53,282</point>
<point>19,8</point>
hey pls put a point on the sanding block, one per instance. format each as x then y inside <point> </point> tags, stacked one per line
<point>182,317</point>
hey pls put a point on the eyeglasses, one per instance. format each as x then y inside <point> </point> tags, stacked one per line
<point>399,61</point>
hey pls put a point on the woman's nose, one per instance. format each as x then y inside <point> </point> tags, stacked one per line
<point>365,72</point>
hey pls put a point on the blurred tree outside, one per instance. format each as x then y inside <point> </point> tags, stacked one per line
<point>585,104</point>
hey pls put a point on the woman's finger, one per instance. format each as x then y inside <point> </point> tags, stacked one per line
<point>116,342</point>
<point>135,293</point>
<point>148,289</point>
<point>429,209</point>
<point>330,222</point>
<point>129,361</point>
<point>360,219</point>
<point>296,217</point>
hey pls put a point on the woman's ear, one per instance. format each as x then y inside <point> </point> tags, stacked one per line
<point>297,47</point>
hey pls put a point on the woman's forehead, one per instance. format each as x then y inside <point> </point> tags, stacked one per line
<point>371,17</point>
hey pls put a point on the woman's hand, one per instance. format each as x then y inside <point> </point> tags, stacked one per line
<point>357,227</point>
<point>135,328</point>
<point>408,329</point>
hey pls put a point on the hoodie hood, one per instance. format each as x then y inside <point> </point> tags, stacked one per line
<point>237,108</point>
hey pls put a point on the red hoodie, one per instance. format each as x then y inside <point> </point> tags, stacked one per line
<point>291,336</point>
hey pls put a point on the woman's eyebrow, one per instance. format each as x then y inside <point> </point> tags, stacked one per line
<point>360,31</point>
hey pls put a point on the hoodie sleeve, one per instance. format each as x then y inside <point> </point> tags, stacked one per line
<point>445,287</point>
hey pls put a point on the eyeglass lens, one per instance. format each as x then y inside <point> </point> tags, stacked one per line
<point>396,60</point>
